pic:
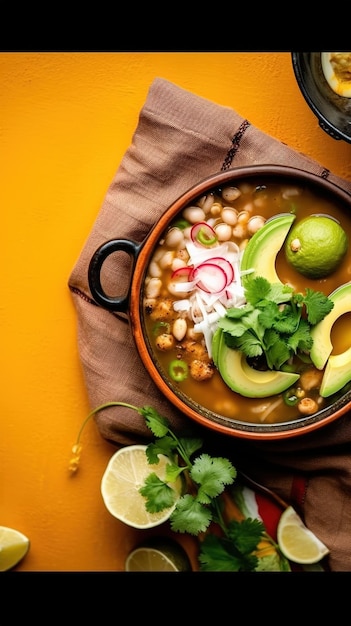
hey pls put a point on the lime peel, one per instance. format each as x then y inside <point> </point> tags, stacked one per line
<point>316,245</point>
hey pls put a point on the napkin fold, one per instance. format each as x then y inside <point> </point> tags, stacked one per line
<point>180,139</point>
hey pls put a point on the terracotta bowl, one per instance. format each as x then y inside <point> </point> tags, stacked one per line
<point>133,302</point>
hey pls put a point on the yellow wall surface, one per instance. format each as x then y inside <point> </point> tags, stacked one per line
<point>66,120</point>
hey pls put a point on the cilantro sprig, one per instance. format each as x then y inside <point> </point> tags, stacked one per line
<point>275,323</point>
<point>206,478</point>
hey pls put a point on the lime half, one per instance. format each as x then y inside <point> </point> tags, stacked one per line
<point>159,554</point>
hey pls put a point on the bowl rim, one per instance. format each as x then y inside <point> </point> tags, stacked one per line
<point>220,424</point>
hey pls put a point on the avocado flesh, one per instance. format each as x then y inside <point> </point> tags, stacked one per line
<point>337,373</point>
<point>245,380</point>
<point>338,367</point>
<point>215,345</point>
<point>261,251</point>
<point>322,345</point>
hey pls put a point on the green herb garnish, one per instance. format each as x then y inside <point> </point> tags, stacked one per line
<point>207,479</point>
<point>275,322</point>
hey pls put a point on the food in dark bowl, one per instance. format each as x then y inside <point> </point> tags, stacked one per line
<point>324,79</point>
<point>235,332</point>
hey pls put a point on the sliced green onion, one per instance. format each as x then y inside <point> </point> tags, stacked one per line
<point>290,398</point>
<point>204,234</point>
<point>178,370</point>
<point>182,224</point>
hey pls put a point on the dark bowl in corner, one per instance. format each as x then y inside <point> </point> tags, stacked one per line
<point>332,111</point>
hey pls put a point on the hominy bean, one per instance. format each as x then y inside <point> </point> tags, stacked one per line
<point>172,288</point>
<point>158,254</point>
<point>239,231</point>
<point>243,217</point>
<point>254,224</point>
<point>223,232</point>
<point>206,202</point>
<point>194,214</point>
<point>177,263</point>
<point>179,328</point>
<point>229,194</point>
<point>166,260</point>
<point>230,216</point>
<point>155,270</point>
<point>174,238</point>
<point>153,288</point>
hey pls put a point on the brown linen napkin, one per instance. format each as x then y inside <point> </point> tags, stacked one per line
<point>181,138</point>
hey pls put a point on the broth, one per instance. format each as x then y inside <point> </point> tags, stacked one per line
<point>238,207</point>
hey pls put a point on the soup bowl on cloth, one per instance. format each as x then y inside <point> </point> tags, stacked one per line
<point>239,301</point>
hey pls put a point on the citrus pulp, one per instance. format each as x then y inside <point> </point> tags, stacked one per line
<point>159,554</point>
<point>296,541</point>
<point>316,245</point>
<point>125,474</point>
<point>14,545</point>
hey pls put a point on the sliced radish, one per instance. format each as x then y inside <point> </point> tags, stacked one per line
<point>184,272</point>
<point>210,277</point>
<point>226,266</point>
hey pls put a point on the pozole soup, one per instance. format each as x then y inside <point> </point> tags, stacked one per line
<point>196,277</point>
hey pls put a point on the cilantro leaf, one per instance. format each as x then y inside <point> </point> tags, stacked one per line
<point>246,534</point>
<point>217,554</point>
<point>238,312</point>
<point>280,293</point>
<point>165,445</point>
<point>190,445</point>
<point>158,494</point>
<point>248,343</point>
<point>287,320</point>
<point>190,516</point>
<point>276,350</point>
<point>157,424</point>
<point>257,289</point>
<point>301,339</point>
<point>260,289</point>
<point>211,474</point>
<point>317,305</point>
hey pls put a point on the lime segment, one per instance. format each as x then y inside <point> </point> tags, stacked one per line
<point>14,545</point>
<point>297,542</point>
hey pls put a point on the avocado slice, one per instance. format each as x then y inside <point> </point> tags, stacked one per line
<point>215,345</point>
<point>337,373</point>
<point>262,249</point>
<point>245,380</point>
<point>338,367</point>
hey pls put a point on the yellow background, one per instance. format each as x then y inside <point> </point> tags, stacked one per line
<point>66,120</point>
